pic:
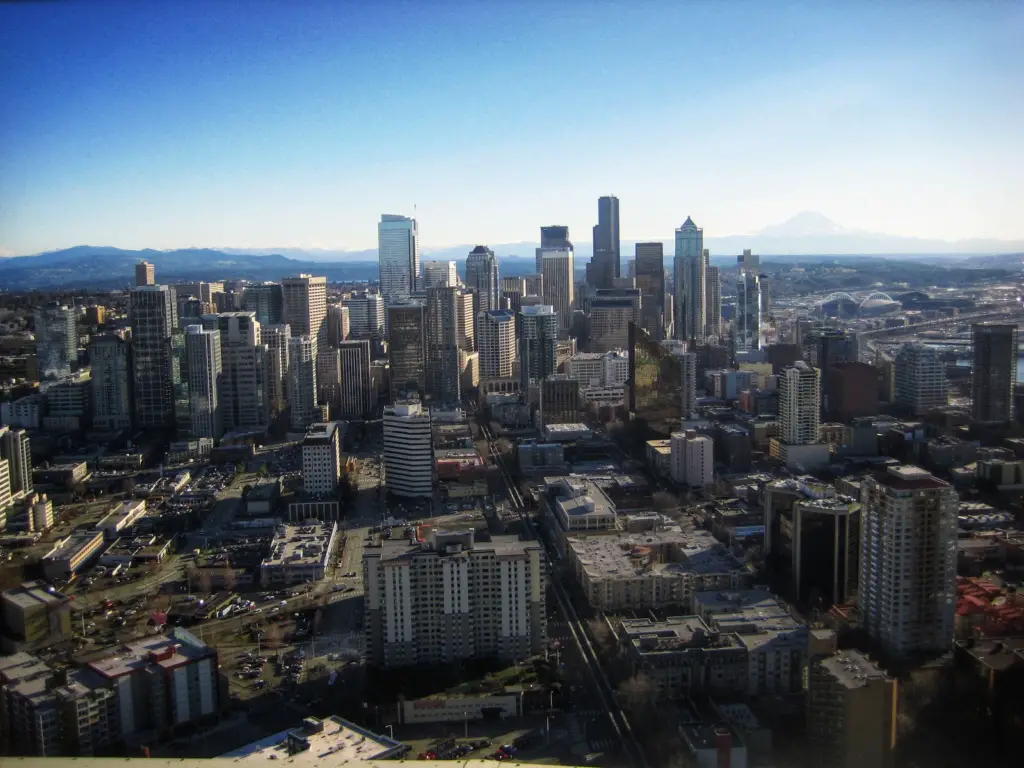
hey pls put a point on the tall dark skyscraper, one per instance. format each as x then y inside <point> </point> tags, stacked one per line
<point>650,279</point>
<point>605,264</point>
<point>995,372</point>
<point>554,237</point>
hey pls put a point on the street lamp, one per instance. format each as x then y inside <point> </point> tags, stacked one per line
<point>391,731</point>
<point>465,721</point>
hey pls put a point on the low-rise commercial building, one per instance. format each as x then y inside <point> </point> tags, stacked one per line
<point>124,516</point>
<point>577,504</point>
<point>298,554</point>
<point>72,554</point>
<point>328,742</point>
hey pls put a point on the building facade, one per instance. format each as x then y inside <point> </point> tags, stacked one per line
<point>689,276</point>
<point>994,373</point>
<point>356,397</point>
<point>483,279</point>
<point>398,251</point>
<point>305,306</point>
<point>496,342</point>
<point>447,597</point>
<point>111,362</point>
<point>302,383</point>
<point>152,315</point>
<point>244,360</point>
<point>908,561</point>
<point>321,459</point>
<point>920,379</point>
<point>407,347</point>
<point>205,382</point>
<point>56,341</point>
<point>408,450</point>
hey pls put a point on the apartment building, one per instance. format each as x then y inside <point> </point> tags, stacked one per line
<point>408,450</point>
<point>447,597</point>
<point>321,458</point>
<point>851,712</point>
<point>908,561</point>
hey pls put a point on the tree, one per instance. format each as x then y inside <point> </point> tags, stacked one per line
<point>602,637</point>
<point>639,696</point>
<point>204,580</point>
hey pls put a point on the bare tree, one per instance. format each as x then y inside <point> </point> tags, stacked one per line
<point>204,581</point>
<point>228,578</point>
<point>601,636</point>
<point>639,696</point>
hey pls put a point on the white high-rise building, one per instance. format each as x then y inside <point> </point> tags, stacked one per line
<point>692,459</point>
<point>558,282</point>
<point>486,599</point>
<point>302,353</point>
<point>398,253</point>
<point>56,341</point>
<point>110,360</point>
<point>202,348</point>
<point>408,450</point>
<point>920,379</point>
<point>244,358</point>
<point>356,399</point>
<point>748,302</point>
<point>907,585</point>
<point>277,339</point>
<point>799,404</point>
<point>496,342</point>
<point>366,315</point>
<point>440,274</point>
<point>321,459</point>
<point>690,276</point>
<point>305,306</point>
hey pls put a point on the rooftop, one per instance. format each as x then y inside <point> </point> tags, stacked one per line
<point>32,594</point>
<point>673,634</point>
<point>436,542</point>
<point>72,544</point>
<point>905,477</point>
<point>623,556</point>
<point>319,742</point>
<point>323,432</point>
<point>300,545</point>
<point>167,651</point>
<point>852,669</point>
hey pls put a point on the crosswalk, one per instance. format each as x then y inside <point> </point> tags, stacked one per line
<point>580,722</point>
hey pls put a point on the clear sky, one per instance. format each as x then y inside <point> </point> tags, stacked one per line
<point>271,124</point>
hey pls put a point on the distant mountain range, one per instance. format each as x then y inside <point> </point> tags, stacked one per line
<point>806,237</point>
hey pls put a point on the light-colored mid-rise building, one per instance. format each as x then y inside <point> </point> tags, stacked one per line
<point>558,271</point>
<point>56,340</point>
<point>305,306</point>
<point>277,338</point>
<point>851,712</point>
<point>692,459</point>
<point>408,450</point>
<point>398,251</point>
<point>356,397</point>
<point>366,315</point>
<point>152,315</point>
<point>486,599</point>
<point>690,275</point>
<point>599,369</point>
<point>538,342</point>
<point>321,459</point>
<point>440,274</point>
<point>799,404</point>
<point>145,274</point>
<point>920,379</point>
<point>496,342</point>
<point>244,359</point>
<point>110,360</point>
<point>205,379</point>
<point>302,384</point>
<point>908,561</point>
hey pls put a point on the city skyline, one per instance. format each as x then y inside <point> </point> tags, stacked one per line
<point>207,139</point>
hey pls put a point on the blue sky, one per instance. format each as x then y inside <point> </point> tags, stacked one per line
<point>270,124</point>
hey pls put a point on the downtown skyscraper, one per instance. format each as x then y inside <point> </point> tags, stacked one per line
<point>244,403</point>
<point>557,267</point>
<point>398,253</point>
<point>110,360</point>
<point>152,317</point>
<point>690,276</point>
<point>605,264</point>
<point>482,278</point>
<point>748,302</point>
<point>994,373</point>
<point>205,374</point>
<point>650,279</point>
